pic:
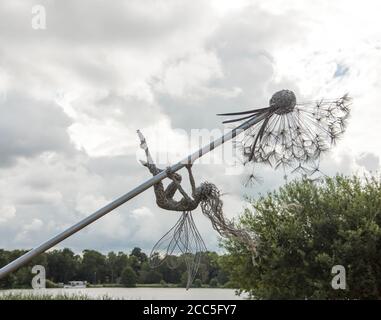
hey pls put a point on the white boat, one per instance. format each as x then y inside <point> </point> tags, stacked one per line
<point>75,284</point>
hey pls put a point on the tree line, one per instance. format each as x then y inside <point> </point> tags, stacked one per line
<point>123,269</point>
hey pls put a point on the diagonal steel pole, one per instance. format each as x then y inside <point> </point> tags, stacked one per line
<point>24,259</point>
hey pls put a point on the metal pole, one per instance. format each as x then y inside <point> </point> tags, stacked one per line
<point>12,266</point>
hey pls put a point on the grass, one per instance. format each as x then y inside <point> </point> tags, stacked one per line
<point>156,285</point>
<point>46,296</point>
<point>6,295</point>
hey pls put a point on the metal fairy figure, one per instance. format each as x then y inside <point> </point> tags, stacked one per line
<point>184,237</point>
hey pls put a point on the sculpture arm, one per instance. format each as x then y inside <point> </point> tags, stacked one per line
<point>191,179</point>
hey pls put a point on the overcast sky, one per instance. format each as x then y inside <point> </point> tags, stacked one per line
<point>73,94</point>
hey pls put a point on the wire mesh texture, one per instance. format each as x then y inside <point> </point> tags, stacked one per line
<point>185,239</point>
<point>292,134</point>
<point>212,208</point>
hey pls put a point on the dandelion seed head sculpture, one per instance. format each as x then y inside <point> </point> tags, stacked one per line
<point>293,134</point>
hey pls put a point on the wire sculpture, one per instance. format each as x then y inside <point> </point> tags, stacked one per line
<point>184,238</point>
<point>212,208</point>
<point>292,134</point>
<point>284,133</point>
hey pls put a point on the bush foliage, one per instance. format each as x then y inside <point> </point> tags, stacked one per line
<point>303,230</point>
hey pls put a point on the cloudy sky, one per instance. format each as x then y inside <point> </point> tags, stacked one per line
<point>72,96</point>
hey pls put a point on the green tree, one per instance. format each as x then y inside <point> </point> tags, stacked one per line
<point>111,262</point>
<point>213,283</point>
<point>303,230</point>
<point>120,263</point>
<point>148,274</point>
<point>94,267</point>
<point>62,265</point>
<point>137,259</point>
<point>153,276</point>
<point>197,283</point>
<point>139,254</point>
<point>222,275</point>
<point>184,279</point>
<point>129,277</point>
<point>116,263</point>
<point>172,269</point>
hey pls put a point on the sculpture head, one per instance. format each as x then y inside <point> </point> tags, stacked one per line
<point>206,191</point>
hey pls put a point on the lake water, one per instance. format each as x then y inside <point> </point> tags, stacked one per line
<point>143,293</point>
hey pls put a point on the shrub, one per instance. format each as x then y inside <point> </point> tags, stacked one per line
<point>128,277</point>
<point>213,283</point>
<point>303,230</point>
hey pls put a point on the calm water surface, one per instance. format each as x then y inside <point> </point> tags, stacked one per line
<point>143,293</point>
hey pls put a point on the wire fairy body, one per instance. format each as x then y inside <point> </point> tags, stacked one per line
<point>184,237</point>
<point>165,196</point>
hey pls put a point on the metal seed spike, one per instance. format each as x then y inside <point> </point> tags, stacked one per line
<point>292,134</point>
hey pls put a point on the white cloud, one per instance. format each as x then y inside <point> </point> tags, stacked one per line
<point>35,225</point>
<point>141,213</point>
<point>29,230</point>
<point>7,212</point>
<point>87,203</point>
<point>187,76</point>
